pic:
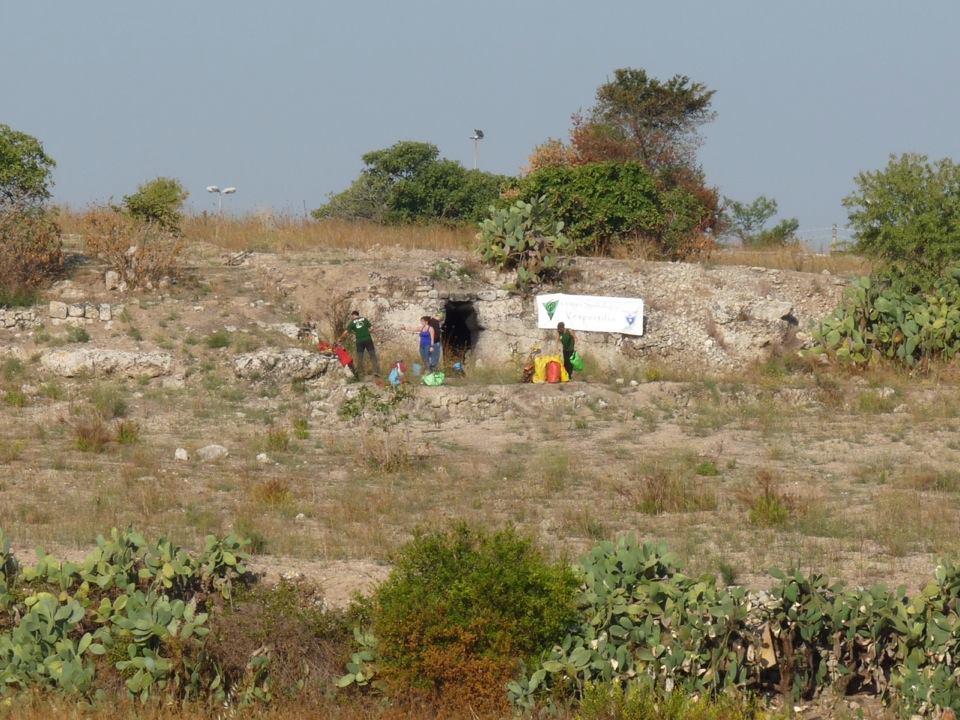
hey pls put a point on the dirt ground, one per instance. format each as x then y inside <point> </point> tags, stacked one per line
<point>785,463</point>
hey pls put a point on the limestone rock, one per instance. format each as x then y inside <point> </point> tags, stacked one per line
<point>105,312</point>
<point>111,279</point>
<point>75,310</point>
<point>212,453</point>
<point>181,454</point>
<point>99,361</point>
<point>771,311</point>
<point>289,364</point>
<point>57,310</point>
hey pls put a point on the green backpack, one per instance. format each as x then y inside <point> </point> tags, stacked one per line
<point>434,379</point>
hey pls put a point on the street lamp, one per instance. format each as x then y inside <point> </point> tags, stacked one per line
<point>220,193</point>
<point>476,137</point>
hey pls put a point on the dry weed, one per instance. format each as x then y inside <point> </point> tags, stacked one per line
<point>142,253</point>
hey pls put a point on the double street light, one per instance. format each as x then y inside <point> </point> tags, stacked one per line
<point>220,193</point>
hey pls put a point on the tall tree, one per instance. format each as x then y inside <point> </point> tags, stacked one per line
<point>908,214</point>
<point>25,169</point>
<point>657,121</point>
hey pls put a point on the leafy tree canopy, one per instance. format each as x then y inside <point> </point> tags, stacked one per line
<point>908,214</point>
<point>158,201</point>
<point>25,169</point>
<point>659,119</point>
<point>746,222</point>
<point>636,117</point>
<point>410,182</point>
<point>610,204</point>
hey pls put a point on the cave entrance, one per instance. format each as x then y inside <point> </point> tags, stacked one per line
<point>461,328</point>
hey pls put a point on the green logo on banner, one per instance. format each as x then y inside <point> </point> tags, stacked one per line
<point>551,307</point>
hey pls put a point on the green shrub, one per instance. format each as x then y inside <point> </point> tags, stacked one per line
<point>11,368</point>
<point>109,400</point>
<point>908,214</point>
<point>15,398</point>
<point>521,238</point>
<point>158,201</point>
<point>218,339</point>
<point>278,440</point>
<point>608,204</point>
<point>127,432</point>
<point>640,701</point>
<point>301,428</point>
<point>893,316</point>
<point>462,607</point>
<point>77,334</point>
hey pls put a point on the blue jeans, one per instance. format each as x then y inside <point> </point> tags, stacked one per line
<point>436,352</point>
<point>426,356</point>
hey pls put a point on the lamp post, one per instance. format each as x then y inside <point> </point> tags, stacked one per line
<point>476,137</point>
<point>220,193</point>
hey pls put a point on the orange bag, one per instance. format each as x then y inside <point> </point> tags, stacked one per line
<point>553,372</point>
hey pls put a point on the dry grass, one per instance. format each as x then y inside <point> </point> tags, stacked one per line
<point>793,258</point>
<point>284,234</point>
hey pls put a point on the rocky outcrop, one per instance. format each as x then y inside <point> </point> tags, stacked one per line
<point>289,364</point>
<point>98,361</point>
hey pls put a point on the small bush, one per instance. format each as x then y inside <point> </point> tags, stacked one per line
<point>218,339</point>
<point>767,506</point>
<point>670,488</point>
<point>109,401</point>
<point>301,429</point>
<point>462,607</point>
<point>708,468</point>
<point>140,251</point>
<point>52,391</point>
<point>127,432</point>
<point>77,334</point>
<point>10,451</point>
<point>273,493</point>
<point>30,252</point>
<point>15,398</point>
<point>11,368</point>
<point>91,433</point>
<point>306,642</point>
<point>278,440</point>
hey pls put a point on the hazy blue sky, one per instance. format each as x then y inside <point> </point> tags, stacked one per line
<point>282,98</point>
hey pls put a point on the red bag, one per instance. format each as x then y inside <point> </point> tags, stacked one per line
<point>342,355</point>
<point>552,372</point>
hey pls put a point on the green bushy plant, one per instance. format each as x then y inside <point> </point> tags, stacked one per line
<point>641,617</point>
<point>158,201</point>
<point>894,316</point>
<point>140,605</point>
<point>908,214</point>
<point>520,237</point>
<point>604,205</point>
<point>462,607</point>
<point>640,701</point>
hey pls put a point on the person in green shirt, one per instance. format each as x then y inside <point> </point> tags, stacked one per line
<point>567,341</point>
<point>359,326</point>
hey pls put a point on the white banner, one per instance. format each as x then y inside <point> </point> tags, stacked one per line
<point>591,313</point>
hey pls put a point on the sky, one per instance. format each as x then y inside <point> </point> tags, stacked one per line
<point>282,99</point>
